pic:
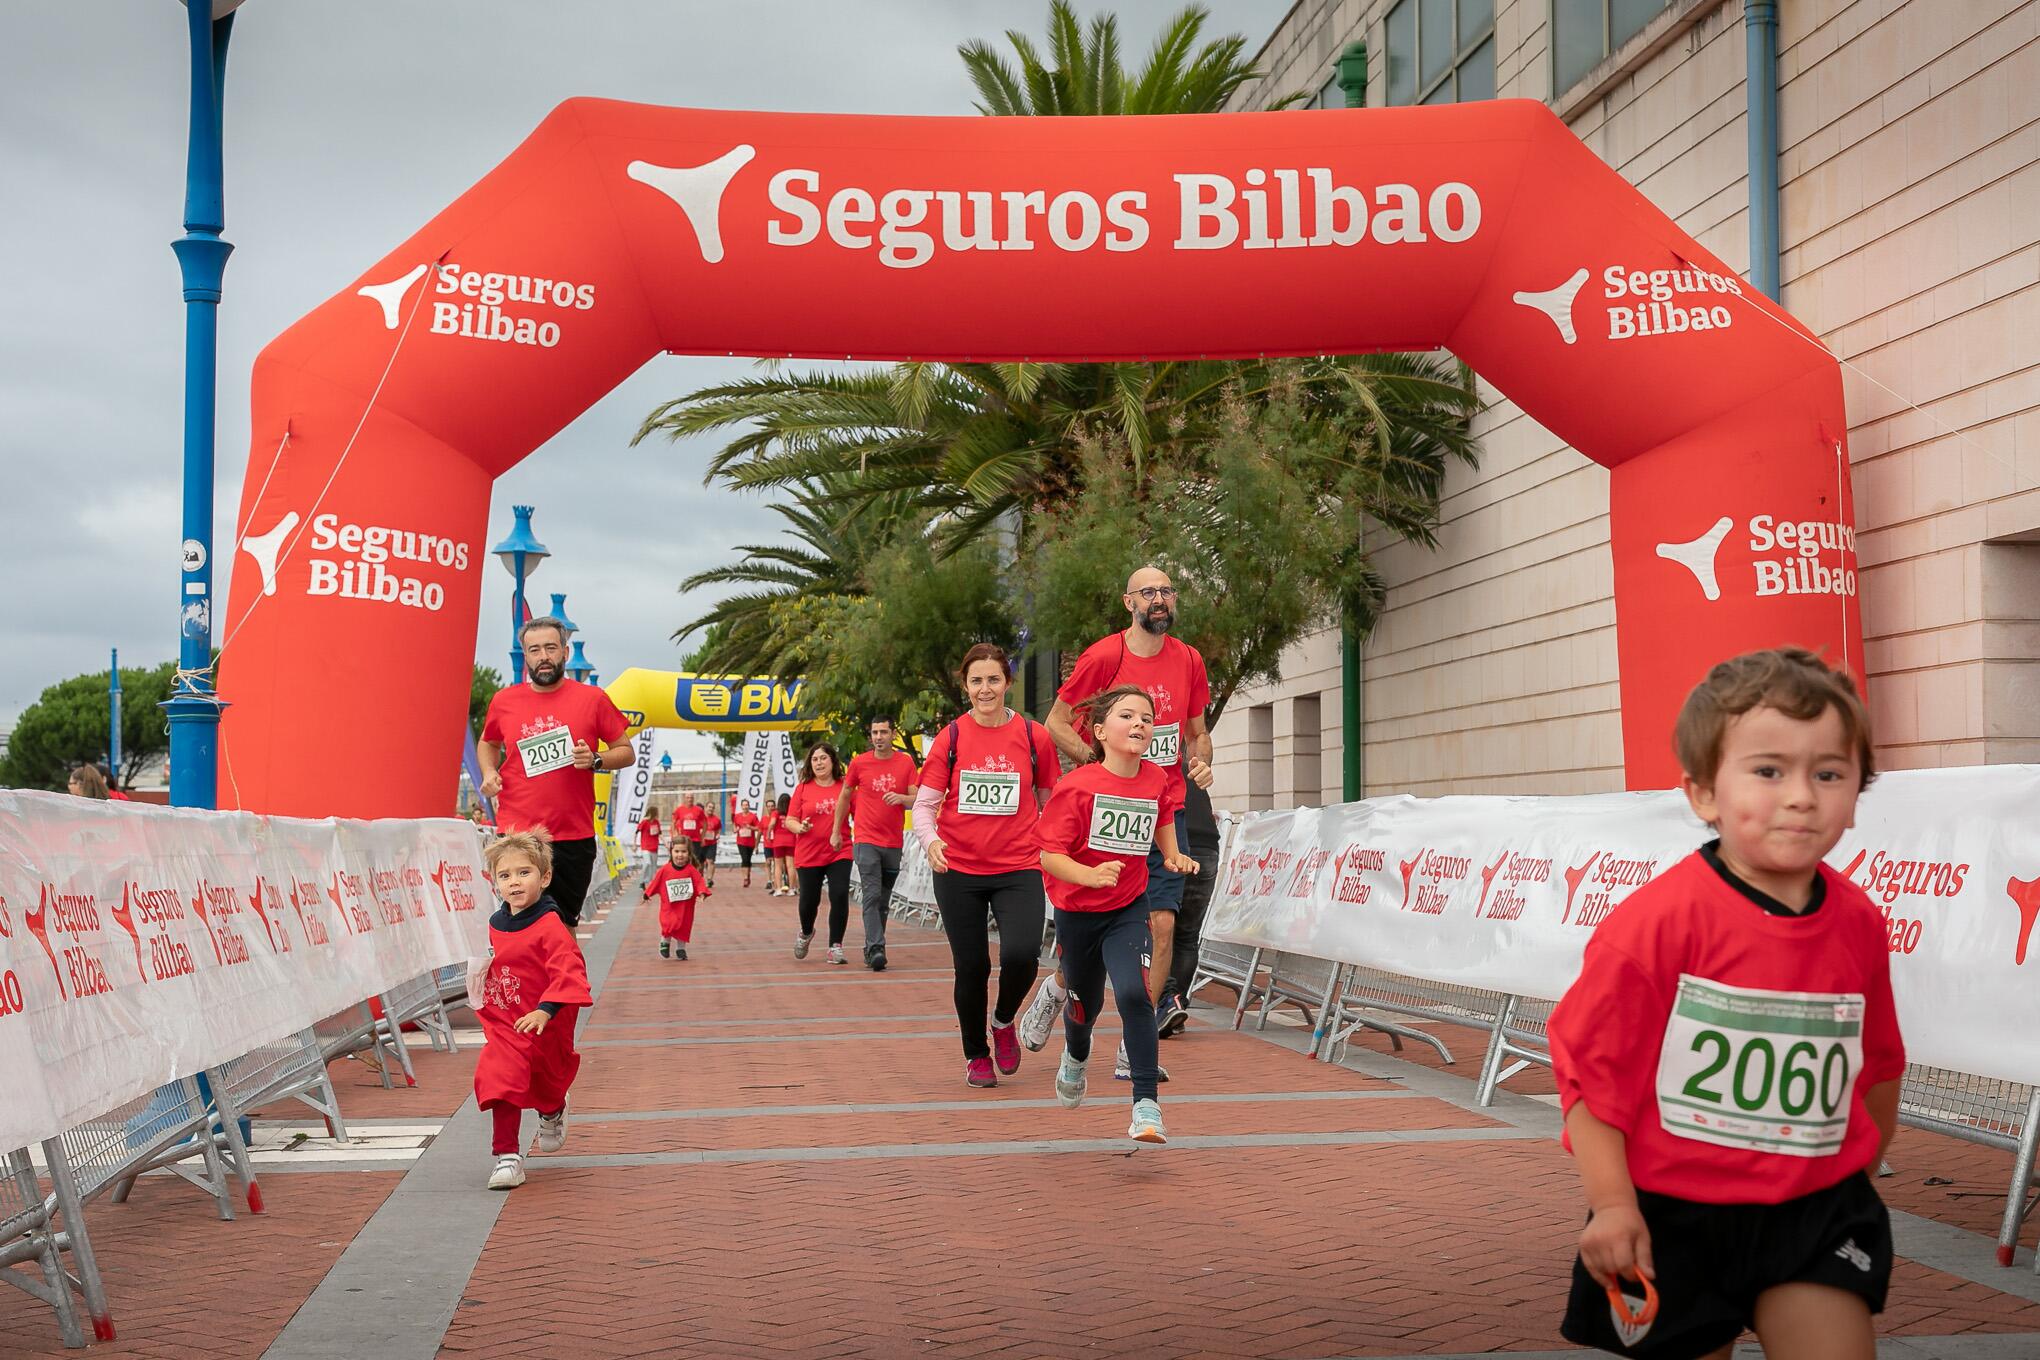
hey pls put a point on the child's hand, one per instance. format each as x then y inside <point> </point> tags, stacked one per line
<point>1104,875</point>
<point>1180,864</point>
<point>532,1022</point>
<point>1615,1243</point>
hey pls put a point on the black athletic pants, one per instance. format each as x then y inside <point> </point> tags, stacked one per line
<point>1098,944</point>
<point>1016,900</point>
<point>838,876</point>
<point>1190,924</point>
<point>573,863</point>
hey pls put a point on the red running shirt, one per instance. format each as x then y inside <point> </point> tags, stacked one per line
<point>559,798</point>
<point>746,824</point>
<point>711,827</point>
<point>816,806</point>
<point>870,780</point>
<point>1094,816</point>
<point>1174,678</point>
<point>993,768</point>
<point>648,834</point>
<point>679,891</point>
<point>687,823</point>
<point>541,962</point>
<point>1732,1047</point>
<point>778,834</point>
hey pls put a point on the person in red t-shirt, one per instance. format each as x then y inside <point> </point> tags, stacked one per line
<point>817,859</point>
<point>878,784</point>
<point>987,775</point>
<point>687,819</point>
<point>541,747</point>
<point>745,823</point>
<point>648,831</point>
<point>711,836</point>
<point>1172,672</point>
<point>1729,1058</point>
<point>779,848</point>
<point>679,887</point>
<point>1095,835</point>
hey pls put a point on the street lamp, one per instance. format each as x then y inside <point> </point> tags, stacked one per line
<point>520,555</point>
<point>579,667</point>
<point>193,710</point>
<point>559,611</point>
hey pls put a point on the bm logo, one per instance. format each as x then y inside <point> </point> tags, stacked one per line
<point>740,700</point>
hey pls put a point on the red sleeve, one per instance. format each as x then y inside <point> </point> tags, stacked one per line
<point>1087,680</point>
<point>850,776</point>
<point>1200,686</point>
<point>935,769</point>
<point>658,880</point>
<point>1883,1045</point>
<point>1047,765</point>
<point>1170,803</point>
<point>1059,827</point>
<point>492,727</point>
<point>566,982</point>
<point>610,724</point>
<point>1605,1035</point>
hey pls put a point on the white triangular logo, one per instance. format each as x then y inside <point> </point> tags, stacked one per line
<point>1698,556</point>
<point>265,548</point>
<point>1556,303</point>
<point>390,296</point>
<point>698,189</point>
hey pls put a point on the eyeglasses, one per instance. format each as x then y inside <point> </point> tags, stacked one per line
<point>1153,593</point>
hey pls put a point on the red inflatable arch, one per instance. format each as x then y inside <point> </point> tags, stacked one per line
<point>618,231</point>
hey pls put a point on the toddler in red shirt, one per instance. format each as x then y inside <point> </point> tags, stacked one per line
<point>679,887</point>
<point>1095,835</point>
<point>1729,1058</point>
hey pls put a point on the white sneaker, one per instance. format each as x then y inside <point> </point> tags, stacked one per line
<point>1070,1082</point>
<point>836,954</point>
<point>1042,1013</point>
<point>1122,1070</point>
<point>1147,1123</point>
<point>552,1132</point>
<point>800,944</point>
<point>509,1172</point>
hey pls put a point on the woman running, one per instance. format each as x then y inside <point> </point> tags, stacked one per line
<point>779,850</point>
<point>811,816</point>
<point>1095,835</point>
<point>745,824</point>
<point>986,777</point>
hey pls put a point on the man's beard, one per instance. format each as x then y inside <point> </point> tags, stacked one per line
<point>1158,621</point>
<point>546,673</point>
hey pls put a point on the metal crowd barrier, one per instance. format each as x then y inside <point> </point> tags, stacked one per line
<point>1233,966</point>
<point>1306,983</point>
<point>1984,1110</point>
<point>29,1236</point>
<point>291,1068</point>
<point>1518,1039</point>
<point>1369,997</point>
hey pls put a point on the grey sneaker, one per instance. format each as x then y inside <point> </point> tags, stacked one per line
<point>509,1172</point>
<point>552,1131</point>
<point>836,954</point>
<point>1070,1082</point>
<point>1147,1123</point>
<point>1042,1013</point>
<point>1122,1070</point>
<point>800,944</point>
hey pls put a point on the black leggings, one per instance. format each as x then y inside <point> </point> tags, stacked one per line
<point>1093,945</point>
<point>1016,900</point>
<point>838,875</point>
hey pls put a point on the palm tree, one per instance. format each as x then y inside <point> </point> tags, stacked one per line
<point>1086,77</point>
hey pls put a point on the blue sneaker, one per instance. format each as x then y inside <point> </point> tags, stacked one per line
<point>1147,1123</point>
<point>1170,1017</point>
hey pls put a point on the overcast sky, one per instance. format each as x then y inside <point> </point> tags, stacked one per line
<point>349,125</point>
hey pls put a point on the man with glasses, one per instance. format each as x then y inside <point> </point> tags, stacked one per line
<point>882,783</point>
<point>1172,672</point>
<point>539,753</point>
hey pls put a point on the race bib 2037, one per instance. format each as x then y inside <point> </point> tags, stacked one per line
<point>1123,826</point>
<point>1764,1071</point>
<point>988,793</point>
<point>550,750</point>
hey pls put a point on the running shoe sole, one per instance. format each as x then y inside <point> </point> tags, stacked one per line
<point>1146,1131</point>
<point>508,1175</point>
<point>1173,1023</point>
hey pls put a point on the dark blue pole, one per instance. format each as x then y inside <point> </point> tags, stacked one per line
<point>517,626</point>
<point>193,710</point>
<point>1760,25</point>
<point>113,722</point>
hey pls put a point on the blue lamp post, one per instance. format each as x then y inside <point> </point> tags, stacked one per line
<point>113,723</point>
<point>559,611</point>
<point>192,709</point>
<point>580,667</point>
<point>520,555</point>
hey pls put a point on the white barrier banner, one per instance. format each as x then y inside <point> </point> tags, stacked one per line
<point>1502,893</point>
<point>634,786</point>
<point>140,944</point>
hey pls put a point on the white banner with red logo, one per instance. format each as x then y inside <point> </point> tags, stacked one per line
<point>139,944</point>
<point>1501,893</point>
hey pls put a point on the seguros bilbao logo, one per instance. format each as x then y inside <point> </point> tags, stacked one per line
<point>1597,884</point>
<point>1641,303</point>
<point>487,305</point>
<point>1429,878</point>
<point>377,563</point>
<point>1795,565</point>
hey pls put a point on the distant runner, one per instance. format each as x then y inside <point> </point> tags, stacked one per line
<point>879,782</point>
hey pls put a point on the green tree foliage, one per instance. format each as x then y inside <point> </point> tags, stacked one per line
<point>67,725</point>
<point>482,688</point>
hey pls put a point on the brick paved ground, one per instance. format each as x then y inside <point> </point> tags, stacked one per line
<point>771,1158</point>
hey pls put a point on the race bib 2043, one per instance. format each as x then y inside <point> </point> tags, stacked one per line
<point>1123,826</point>
<point>988,793</point>
<point>1764,1071</point>
<point>550,750</point>
<point>1164,745</point>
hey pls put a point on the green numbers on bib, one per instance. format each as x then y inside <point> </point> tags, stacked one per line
<point>1123,826</point>
<point>1164,745</point>
<point>1766,1071</point>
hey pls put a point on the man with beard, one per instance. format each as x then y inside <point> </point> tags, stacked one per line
<point>1172,672</point>
<point>539,753</point>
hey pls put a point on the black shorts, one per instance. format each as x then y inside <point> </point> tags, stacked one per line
<point>1713,1260</point>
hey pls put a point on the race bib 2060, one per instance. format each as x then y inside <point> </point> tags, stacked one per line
<point>988,793</point>
<point>1765,1071</point>
<point>550,750</point>
<point>1123,826</point>
<point>1164,745</point>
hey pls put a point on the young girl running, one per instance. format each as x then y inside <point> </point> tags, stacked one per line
<point>679,887</point>
<point>811,815</point>
<point>531,989</point>
<point>986,776</point>
<point>745,824</point>
<point>1095,835</point>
